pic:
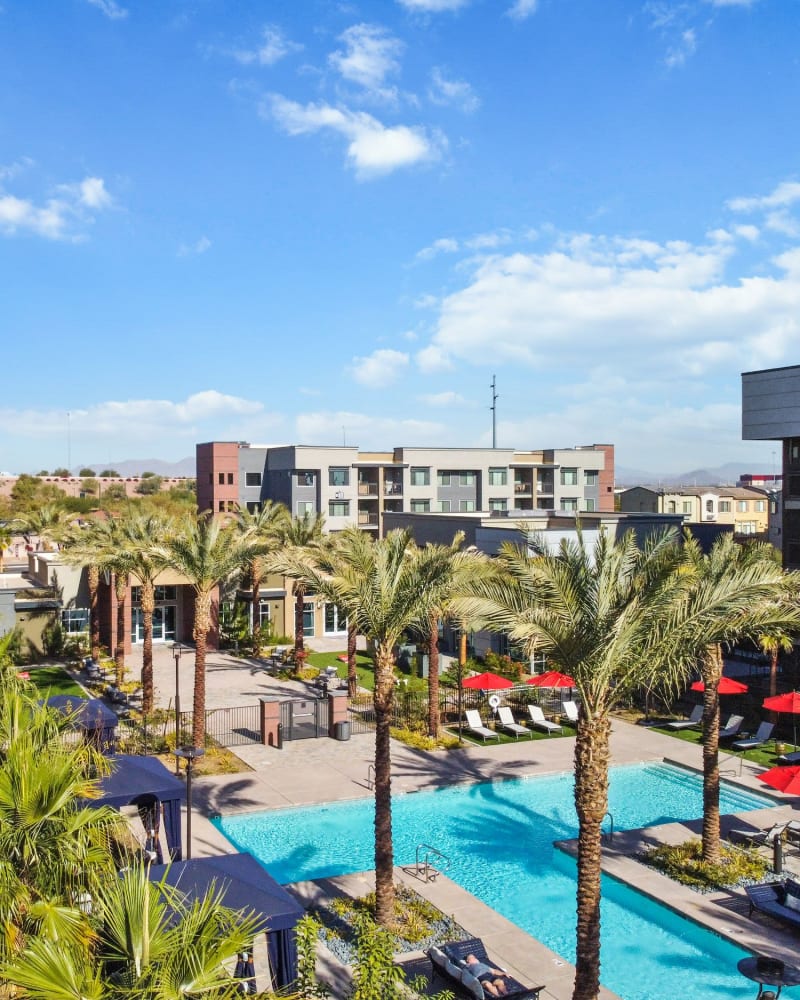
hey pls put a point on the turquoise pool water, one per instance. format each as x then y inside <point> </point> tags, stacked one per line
<point>498,836</point>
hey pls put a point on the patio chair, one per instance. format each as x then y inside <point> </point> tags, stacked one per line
<point>570,709</point>
<point>731,727</point>
<point>448,963</point>
<point>762,735</point>
<point>507,724</point>
<point>757,838</point>
<point>476,726</point>
<point>538,721</point>
<point>694,720</point>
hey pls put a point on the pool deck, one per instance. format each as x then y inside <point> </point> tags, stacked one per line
<point>318,771</point>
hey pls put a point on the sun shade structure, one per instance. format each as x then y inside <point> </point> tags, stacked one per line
<point>244,885</point>
<point>488,682</point>
<point>92,716</point>
<point>727,685</point>
<point>784,779</point>
<point>145,782</point>
<point>552,679</point>
<point>788,702</point>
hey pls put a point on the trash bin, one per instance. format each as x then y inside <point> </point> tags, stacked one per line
<point>341,730</point>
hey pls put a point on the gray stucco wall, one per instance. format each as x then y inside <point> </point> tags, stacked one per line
<point>771,404</point>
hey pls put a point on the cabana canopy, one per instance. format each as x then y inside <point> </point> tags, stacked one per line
<point>91,715</point>
<point>244,885</point>
<point>145,782</point>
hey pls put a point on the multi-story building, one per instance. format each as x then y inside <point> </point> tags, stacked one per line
<point>745,508</point>
<point>771,412</point>
<point>350,487</point>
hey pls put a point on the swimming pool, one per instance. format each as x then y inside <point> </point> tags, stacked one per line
<point>512,824</point>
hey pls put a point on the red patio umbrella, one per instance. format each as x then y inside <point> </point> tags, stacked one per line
<point>785,779</point>
<point>487,682</point>
<point>788,702</point>
<point>726,686</point>
<point>552,679</point>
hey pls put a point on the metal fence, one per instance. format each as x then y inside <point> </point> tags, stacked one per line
<point>304,718</point>
<point>225,727</point>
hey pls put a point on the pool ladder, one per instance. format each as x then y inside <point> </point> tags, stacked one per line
<point>424,869</point>
<point>608,836</point>
<point>371,777</point>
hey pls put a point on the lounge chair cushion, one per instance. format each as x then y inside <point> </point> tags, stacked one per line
<point>792,902</point>
<point>471,984</point>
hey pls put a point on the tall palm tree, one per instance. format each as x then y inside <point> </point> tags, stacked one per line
<point>207,552</point>
<point>47,522</point>
<point>265,528</point>
<point>299,536</point>
<point>773,644</point>
<point>385,588</point>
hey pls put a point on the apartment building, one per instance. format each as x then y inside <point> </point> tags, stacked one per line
<point>351,487</point>
<point>745,508</point>
<point>771,412</point>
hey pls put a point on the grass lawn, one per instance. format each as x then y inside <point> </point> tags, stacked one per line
<point>54,680</point>
<point>364,667</point>
<point>537,734</point>
<point>765,755</point>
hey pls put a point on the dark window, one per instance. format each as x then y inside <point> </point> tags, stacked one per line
<point>230,479</point>
<point>221,477</point>
<point>252,478</point>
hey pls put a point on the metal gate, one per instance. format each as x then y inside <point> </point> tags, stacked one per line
<point>361,713</point>
<point>304,718</point>
<point>231,727</point>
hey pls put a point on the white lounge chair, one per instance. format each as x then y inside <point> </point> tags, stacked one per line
<point>476,726</point>
<point>570,709</point>
<point>507,724</point>
<point>539,722</point>
<point>694,720</point>
<point>732,727</point>
<point>762,735</point>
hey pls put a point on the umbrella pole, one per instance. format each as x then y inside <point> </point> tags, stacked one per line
<point>460,704</point>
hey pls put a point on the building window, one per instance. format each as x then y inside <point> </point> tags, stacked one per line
<point>443,506</point>
<point>420,506</point>
<point>741,506</point>
<point>221,478</point>
<point>339,508</point>
<point>498,477</point>
<point>305,478</point>
<point>443,478</point>
<point>498,503</point>
<point>221,505</point>
<point>761,506</point>
<point>335,620</point>
<point>591,477</point>
<point>338,477</point>
<point>724,506</point>
<point>262,613</point>
<point>672,506</point>
<point>794,451</point>
<point>569,503</point>
<point>745,528</point>
<point>687,506</point>
<point>709,506</point>
<point>230,479</point>
<point>75,621</point>
<point>252,479</point>
<point>305,507</point>
<point>253,506</point>
<point>569,477</point>
<point>591,505</point>
<point>466,478</point>
<point>466,506</point>
<point>420,476</point>
<point>308,616</point>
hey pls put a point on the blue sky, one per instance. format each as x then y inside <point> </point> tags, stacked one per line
<point>316,222</point>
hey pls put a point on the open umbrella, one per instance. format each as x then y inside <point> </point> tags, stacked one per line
<point>785,779</point>
<point>788,702</point>
<point>551,679</point>
<point>487,682</point>
<point>726,686</point>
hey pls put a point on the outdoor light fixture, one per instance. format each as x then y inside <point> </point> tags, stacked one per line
<point>190,755</point>
<point>177,649</point>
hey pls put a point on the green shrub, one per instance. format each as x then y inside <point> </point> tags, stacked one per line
<point>684,863</point>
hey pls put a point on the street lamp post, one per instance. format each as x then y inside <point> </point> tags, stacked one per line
<point>190,755</point>
<point>177,649</point>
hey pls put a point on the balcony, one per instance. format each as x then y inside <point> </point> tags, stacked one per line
<point>367,519</point>
<point>367,489</point>
<point>522,487</point>
<point>392,489</point>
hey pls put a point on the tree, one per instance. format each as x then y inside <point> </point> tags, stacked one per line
<point>149,484</point>
<point>264,529</point>
<point>301,535</point>
<point>62,473</point>
<point>385,587</point>
<point>87,472</point>
<point>773,644</point>
<point>5,543</point>
<point>48,522</point>
<point>206,552</point>
<point>109,474</point>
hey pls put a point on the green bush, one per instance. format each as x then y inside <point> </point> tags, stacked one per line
<point>684,863</point>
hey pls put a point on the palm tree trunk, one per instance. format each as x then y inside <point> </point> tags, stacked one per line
<point>384,851</point>
<point>93,579</point>
<point>120,590</point>
<point>147,605</point>
<point>712,672</point>
<point>352,675</point>
<point>434,721</point>
<point>773,679</point>
<point>591,803</point>
<point>255,593</point>
<point>299,606</point>
<point>202,626</point>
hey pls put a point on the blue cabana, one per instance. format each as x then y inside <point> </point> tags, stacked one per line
<point>244,885</point>
<point>93,717</point>
<point>145,782</point>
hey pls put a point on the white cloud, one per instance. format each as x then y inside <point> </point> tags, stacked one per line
<point>433,359</point>
<point>194,249</point>
<point>750,233</point>
<point>93,193</point>
<point>370,55</point>
<point>522,9</point>
<point>110,8</point>
<point>380,368</point>
<point>442,399</point>
<point>58,218</point>
<point>785,194</point>
<point>273,47</point>
<point>373,148</point>
<point>433,6</point>
<point>444,91</point>
<point>444,245</point>
<point>682,49</point>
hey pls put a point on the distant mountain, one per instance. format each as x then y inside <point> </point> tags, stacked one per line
<point>722,475</point>
<point>136,466</point>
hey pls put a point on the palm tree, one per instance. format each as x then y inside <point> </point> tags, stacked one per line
<point>773,644</point>
<point>300,535</point>
<point>207,552</point>
<point>265,528</point>
<point>385,588</point>
<point>5,542</point>
<point>47,522</point>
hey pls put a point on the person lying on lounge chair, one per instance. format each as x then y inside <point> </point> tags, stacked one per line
<point>492,980</point>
